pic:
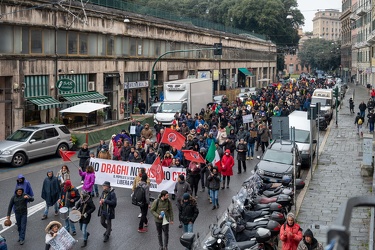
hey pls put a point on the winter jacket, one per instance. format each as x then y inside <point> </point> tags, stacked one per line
<point>83,155</point>
<point>241,155</point>
<point>150,158</point>
<point>146,187</point>
<point>62,177</point>
<point>107,209</point>
<point>180,188</point>
<point>242,134</point>
<point>315,245</point>
<point>167,162</point>
<point>26,186</point>
<point>188,211</point>
<point>210,140</point>
<point>89,181</point>
<point>137,180</point>
<point>214,181</point>
<point>264,134</point>
<point>70,194</point>
<point>227,163</point>
<point>146,133</point>
<point>19,203</point>
<point>162,205</point>
<point>221,136</point>
<point>124,153</point>
<point>290,242</point>
<point>231,145</point>
<point>138,130</point>
<point>104,155</point>
<point>51,190</point>
<point>85,206</point>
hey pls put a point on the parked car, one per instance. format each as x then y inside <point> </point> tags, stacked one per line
<point>277,161</point>
<point>34,141</point>
<point>153,109</point>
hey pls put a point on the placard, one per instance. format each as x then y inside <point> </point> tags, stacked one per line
<point>62,241</point>
<point>247,118</point>
<point>132,130</point>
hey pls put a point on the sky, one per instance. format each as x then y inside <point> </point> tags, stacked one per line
<point>310,7</point>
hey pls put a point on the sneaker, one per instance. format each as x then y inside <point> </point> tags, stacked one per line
<point>139,215</point>
<point>180,226</point>
<point>97,194</point>
<point>214,207</point>
<point>210,201</point>
<point>196,197</point>
<point>74,233</point>
<point>145,224</point>
<point>56,213</point>
<point>247,158</point>
<point>44,217</point>
<point>143,230</point>
<point>81,182</point>
<point>203,189</point>
<point>106,238</point>
<point>251,158</point>
<point>22,242</point>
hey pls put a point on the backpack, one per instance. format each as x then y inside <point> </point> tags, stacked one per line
<point>360,121</point>
<point>139,196</point>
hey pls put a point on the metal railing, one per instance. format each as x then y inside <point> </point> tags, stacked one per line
<point>154,12</point>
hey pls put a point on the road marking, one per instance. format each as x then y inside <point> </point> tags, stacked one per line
<point>30,211</point>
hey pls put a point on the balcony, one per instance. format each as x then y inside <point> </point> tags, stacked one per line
<point>371,37</point>
<point>362,10</point>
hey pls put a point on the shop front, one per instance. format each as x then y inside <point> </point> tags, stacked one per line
<point>111,82</point>
<point>134,94</point>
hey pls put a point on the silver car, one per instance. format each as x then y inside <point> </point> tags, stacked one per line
<point>35,141</point>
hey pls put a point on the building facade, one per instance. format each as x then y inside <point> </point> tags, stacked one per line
<point>346,40</point>
<point>326,24</point>
<point>108,56</point>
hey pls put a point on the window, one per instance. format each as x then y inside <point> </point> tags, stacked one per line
<point>92,44</point>
<point>146,47</point>
<point>152,48</point>
<point>36,41</point>
<point>125,46</point>
<point>83,44</point>
<point>49,41</point>
<point>133,46</point>
<point>61,42</point>
<point>50,133</point>
<point>110,45</point>
<point>118,45</point>
<point>38,135</point>
<point>21,40</point>
<point>6,39</point>
<point>72,43</point>
<point>101,45</point>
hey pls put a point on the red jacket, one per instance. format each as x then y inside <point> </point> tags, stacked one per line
<point>227,163</point>
<point>292,238</point>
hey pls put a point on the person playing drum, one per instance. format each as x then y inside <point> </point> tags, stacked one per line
<point>69,196</point>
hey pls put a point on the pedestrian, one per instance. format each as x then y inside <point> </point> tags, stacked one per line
<point>265,136</point>
<point>227,163</point>
<point>95,190</point>
<point>50,193</point>
<point>290,233</point>
<point>241,155</point>
<point>19,201</point>
<point>142,107</point>
<point>143,223</point>
<point>107,205</point>
<point>112,145</point>
<point>167,161</point>
<point>351,105</point>
<point>309,242</point>
<point>151,156</point>
<point>371,120</point>
<point>136,182</point>
<point>52,230</point>
<point>86,207</point>
<point>104,153</point>
<point>68,198</point>
<point>63,175</point>
<point>163,213</point>
<point>89,178</point>
<point>251,139</point>
<point>188,212</point>
<point>359,121</point>
<point>138,130</point>
<point>25,184</point>
<point>214,186</point>
<point>180,189</point>
<point>147,132</point>
<point>99,148</point>
<point>193,171</point>
<point>83,155</point>
<point>362,108</point>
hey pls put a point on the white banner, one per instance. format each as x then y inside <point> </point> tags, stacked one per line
<point>121,174</point>
<point>62,241</point>
<point>247,118</point>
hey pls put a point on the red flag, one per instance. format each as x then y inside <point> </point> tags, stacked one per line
<point>194,156</point>
<point>157,170</point>
<point>65,155</point>
<point>173,138</point>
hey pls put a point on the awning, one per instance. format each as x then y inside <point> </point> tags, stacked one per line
<point>45,102</point>
<point>84,108</point>
<point>84,97</point>
<point>245,71</point>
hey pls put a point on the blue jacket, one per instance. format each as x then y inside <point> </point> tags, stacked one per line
<point>138,130</point>
<point>26,186</point>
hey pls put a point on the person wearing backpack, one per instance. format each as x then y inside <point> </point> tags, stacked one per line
<point>162,207</point>
<point>358,121</point>
<point>137,180</point>
<point>180,188</point>
<point>107,205</point>
<point>142,197</point>
<point>290,233</point>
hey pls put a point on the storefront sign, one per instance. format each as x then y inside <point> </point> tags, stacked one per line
<point>65,84</point>
<point>122,174</point>
<point>204,74</point>
<point>136,85</point>
<point>215,76</point>
<point>173,77</point>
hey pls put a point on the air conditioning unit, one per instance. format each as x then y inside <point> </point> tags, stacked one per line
<point>91,86</point>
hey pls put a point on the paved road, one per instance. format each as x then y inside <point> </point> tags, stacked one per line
<point>337,178</point>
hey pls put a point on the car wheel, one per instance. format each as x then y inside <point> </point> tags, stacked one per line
<point>18,160</point>
<point>63,147</point>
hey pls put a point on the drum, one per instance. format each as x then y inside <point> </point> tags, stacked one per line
<point>74,216</point>
<point>64,213</point>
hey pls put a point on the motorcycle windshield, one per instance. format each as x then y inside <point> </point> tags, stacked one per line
<point>229,236</point>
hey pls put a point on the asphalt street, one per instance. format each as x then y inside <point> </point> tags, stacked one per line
<point>125,225</point>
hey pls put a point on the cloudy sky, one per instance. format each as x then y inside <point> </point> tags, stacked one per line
<point>310,7</point>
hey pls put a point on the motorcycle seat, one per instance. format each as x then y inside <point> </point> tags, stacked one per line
<point>266,200</point>
<point>270,193</point>
<point>246,244</point>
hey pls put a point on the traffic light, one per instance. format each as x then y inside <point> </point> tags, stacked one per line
<point>153,91</point>
<point>336,92</point>
<point>218,49</point>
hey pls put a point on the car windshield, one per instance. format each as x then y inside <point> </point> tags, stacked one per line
<point>278,156</point>
<point>20,135</point>
<point>170,107</point>
<point>152,109</point>
<point>302,136</point>
<point>323,102</point>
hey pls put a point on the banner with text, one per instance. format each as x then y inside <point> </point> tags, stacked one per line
<point>122,174</point>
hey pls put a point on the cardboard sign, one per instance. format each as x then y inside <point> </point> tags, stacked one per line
<point>63,240</point>
<point>247,118</point>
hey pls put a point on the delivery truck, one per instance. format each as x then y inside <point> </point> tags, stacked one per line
<point>183,96</point>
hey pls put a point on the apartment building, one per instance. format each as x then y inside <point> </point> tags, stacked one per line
<point>327,25</point>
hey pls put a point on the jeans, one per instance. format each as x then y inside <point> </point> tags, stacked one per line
<point>69,224</point>
<point>362,113</point>
<point>214,197</point>
<point>144,210</point>
<point>21,225</point>
<point>162,228</point>
<point>250,149</point>
<point>95,190</point>
<point>371,124</point>
<point>134,139</point>
<point>83,228</point>
<point>188,228</point>
<point>56,206</point>
<point>107,224</point>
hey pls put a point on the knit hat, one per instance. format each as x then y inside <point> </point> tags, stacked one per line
<point>67,183</point>
<point>186,196</point>
<point>107,183</point>
<point>291,215</point>
<point>308,233</point>
<point>182,177</point>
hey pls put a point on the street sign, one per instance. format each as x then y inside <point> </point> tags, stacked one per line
<point>65,84</point>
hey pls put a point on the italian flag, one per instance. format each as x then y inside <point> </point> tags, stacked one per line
<point>213,156</point>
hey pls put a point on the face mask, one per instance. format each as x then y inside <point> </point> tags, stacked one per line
<point>226,153</point>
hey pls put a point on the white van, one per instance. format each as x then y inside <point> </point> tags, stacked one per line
<point>327,102</point>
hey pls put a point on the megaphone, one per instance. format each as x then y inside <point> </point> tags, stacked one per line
<point>165,222</point>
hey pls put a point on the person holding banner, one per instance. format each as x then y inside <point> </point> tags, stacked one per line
<point>51,232</point>
<point>107,205</point>
<point>163,213</point>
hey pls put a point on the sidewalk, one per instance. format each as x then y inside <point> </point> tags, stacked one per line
<point>337,178</point>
